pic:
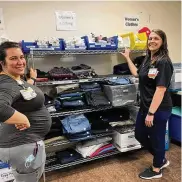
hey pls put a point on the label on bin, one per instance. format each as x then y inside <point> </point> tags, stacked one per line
<point>177,77</point>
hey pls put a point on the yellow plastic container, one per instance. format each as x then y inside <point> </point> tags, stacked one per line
<point>137,41</point>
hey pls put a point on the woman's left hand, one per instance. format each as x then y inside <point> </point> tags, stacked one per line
<point>33,73</point>
<point>149,121</point>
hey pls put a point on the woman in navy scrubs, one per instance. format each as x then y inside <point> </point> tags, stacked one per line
<point>155,109</point>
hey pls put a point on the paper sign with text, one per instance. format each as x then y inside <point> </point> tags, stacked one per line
<point>65,20</point>
<point>1,20</point>
<point>131,22</point>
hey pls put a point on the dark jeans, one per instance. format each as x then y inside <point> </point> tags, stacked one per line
<point>153,138</point>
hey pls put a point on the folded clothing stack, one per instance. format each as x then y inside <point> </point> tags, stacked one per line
<point>69,100</point>
<point>122,123</point>
<point>93,86</point>
<point>83,71</point>
<point>67,156</point>
<point>55,139</point>
<point>118,81</point>
<point>96,141</point>
<point>94,150</point>
<point>61,73</point>
<point>123,69</point>
<point>76,127</point>
<point>104,149</point>
<point>61,89</point>
<point>49,103</point>
<point>42,76</point>
<point>88,151</point>
<point>97,98</point>
<point>101,121</point>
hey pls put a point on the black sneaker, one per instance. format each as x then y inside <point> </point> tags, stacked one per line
<point>165,164</point>
<point>150,174</point>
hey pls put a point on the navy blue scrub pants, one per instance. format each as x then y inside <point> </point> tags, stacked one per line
<point>153,138</point>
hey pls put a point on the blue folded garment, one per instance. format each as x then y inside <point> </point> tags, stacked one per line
<point>119,81</point>
<point>76,124</point>
<point>77,94</point>
<point>57,104</point>
<point>67,156</point>
<point>89,85</point>
<point>80,137</point>
<point>107,150</point>
<point>75,103</point>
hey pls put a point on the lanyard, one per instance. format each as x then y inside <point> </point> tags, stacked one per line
<point>19,82</point>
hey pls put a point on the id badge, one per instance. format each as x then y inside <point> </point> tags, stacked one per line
<point>28,93</point>
<point>152,73</point>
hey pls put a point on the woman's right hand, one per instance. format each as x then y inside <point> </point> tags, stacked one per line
<point>23,126</point>
<point>126,53</point>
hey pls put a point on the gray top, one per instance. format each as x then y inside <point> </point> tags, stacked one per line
<point>36,112</point>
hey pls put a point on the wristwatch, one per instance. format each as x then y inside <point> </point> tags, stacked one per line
<point>34,79</point>
<point>150,114</point>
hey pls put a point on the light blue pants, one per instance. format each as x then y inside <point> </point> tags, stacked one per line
<point>27,161</point>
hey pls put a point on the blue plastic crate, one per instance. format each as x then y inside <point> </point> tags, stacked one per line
<point>100,46</point>
<point>26,46</point>
<point>175,124</point>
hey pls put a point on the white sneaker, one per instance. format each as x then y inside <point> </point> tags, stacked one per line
<point>165,164</point>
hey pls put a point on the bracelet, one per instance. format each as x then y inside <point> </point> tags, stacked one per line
<point>150,114</point>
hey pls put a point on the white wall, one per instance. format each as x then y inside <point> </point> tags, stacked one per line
<point>30,20</point>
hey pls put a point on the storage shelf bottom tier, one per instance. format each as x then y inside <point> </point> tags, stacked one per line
<point>80,161</point>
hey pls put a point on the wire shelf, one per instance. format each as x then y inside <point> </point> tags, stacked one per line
<point>65,82</point>
<point>58,143</point>
<point>80,161</point>
<point>82,80</point>
<point>78,52</point>
<point>81,111</point>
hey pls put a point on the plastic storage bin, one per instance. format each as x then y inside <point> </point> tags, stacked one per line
<point>27,46</point>
<point>133,112</point>
<point>176,77</point>
<point>125,140</point>
<point>175,124</point>
<point>99,46</point>
<point>121,95</point>
<point>136,41</point>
